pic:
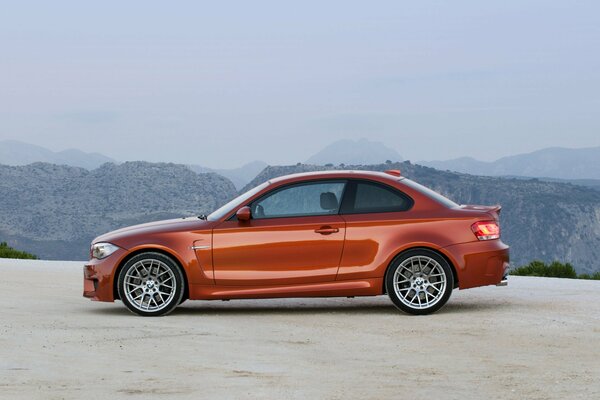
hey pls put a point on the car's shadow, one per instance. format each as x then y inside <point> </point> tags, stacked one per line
<point>283,310</point>
<point>244,307</point>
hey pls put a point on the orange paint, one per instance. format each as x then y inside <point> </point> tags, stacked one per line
<point>307,256</point>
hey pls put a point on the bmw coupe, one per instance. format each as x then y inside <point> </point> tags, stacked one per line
<point>319,234</point>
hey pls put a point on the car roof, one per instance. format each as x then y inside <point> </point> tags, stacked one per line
<point>332,174</point>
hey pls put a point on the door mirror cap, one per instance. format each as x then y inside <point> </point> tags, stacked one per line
<point>243,214</point>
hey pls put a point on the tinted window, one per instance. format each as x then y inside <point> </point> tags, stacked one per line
<point>370,197</point>
<point>305,199</point>
<point>430,193</point>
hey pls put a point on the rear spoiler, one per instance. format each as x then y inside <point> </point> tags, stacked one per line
<point>493,210</point>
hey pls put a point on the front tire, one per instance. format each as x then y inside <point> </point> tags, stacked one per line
<point>151,284</point>
<point>419,281</point>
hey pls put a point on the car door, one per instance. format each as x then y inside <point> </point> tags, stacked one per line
<point>376,218</point>
<point>294,236</point>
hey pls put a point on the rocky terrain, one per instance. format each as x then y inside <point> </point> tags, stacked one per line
<point>55,211</point>
<point>540,220</point>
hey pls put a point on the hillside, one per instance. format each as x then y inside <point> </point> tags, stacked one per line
<point>55,211</point>
<point>590,183</point>
<point>540,220</point>
<point>239,176</point>
<point>555,162</point>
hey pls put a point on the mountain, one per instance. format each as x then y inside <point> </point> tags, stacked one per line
<point>54,211</point>
<point>239,176</point>
<point>555,162</point>
<point>540,220</point>
<point>591,183</point>
<point>354,152</point>
<point>13,152</point>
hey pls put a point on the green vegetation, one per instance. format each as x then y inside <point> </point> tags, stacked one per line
<point>595,276</point>
<point>553,270</point>
<point>8,252</point>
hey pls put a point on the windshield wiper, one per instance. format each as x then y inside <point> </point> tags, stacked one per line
<point>202,216</point>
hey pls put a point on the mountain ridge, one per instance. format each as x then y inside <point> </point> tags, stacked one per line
<point>240,176</point>
<point>550,162</point>
<point>14,152</point>
<point>54,211</point>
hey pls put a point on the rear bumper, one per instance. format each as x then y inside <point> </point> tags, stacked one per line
<point>480,263</point>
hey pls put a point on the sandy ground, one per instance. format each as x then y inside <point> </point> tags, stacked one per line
<point>535,339</point>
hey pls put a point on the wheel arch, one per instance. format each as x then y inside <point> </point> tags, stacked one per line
<point>420,247</point>
<point>150,249</point>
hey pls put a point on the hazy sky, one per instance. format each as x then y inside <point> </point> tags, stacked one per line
<point>222,83</point>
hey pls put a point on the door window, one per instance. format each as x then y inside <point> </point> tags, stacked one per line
<point>304,199</point>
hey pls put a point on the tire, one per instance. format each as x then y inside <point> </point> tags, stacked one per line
<point>419,281</point>
<point>151,284</point>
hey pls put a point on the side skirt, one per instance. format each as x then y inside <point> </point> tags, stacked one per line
<point>362,287</point>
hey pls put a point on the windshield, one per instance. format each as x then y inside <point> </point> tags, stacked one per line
<point>430,193</point>
<point>227,208</point>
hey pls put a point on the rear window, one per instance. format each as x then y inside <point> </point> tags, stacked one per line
<point>429,193</point>
<point>364,197</point>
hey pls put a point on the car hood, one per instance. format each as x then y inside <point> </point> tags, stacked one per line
<point>165,226</point>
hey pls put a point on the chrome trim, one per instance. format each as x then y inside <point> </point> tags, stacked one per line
<point>199,247</point>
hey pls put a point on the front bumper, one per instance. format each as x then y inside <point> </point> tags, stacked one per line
<point>98,277</point>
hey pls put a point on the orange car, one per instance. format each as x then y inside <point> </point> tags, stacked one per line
<point>321,234</point>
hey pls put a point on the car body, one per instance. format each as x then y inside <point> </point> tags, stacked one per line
<point>318,234</point>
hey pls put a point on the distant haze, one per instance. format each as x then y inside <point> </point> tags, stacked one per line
<point>552,162</point>
<point>352,152</point>
<point>220,84</point>
<point>13,152</point>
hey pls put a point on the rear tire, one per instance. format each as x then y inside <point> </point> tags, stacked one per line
<point>419,281</point>
<point>151,284</point>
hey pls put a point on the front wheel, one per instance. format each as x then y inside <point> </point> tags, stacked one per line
<point>419,281</point>
<point>151,284</point>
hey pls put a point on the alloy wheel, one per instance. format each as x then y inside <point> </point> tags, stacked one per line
<point>150,285</point>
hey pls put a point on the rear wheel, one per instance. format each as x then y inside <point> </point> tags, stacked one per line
<point>151,284</point>
<point>419,281</point>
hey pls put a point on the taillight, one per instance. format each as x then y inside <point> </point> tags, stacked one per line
<point>486,230</point>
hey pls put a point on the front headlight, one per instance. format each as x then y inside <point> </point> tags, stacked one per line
<point>103,250</point>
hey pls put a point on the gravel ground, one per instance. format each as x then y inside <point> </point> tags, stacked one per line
<point>535,339</point>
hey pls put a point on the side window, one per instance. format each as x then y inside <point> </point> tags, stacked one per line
<point>370,197</point>
<point>304,199</point>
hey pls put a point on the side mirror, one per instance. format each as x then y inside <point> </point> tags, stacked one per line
<point>243,214</point>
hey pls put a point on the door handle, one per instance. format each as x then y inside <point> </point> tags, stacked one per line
<point>326,230</point>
